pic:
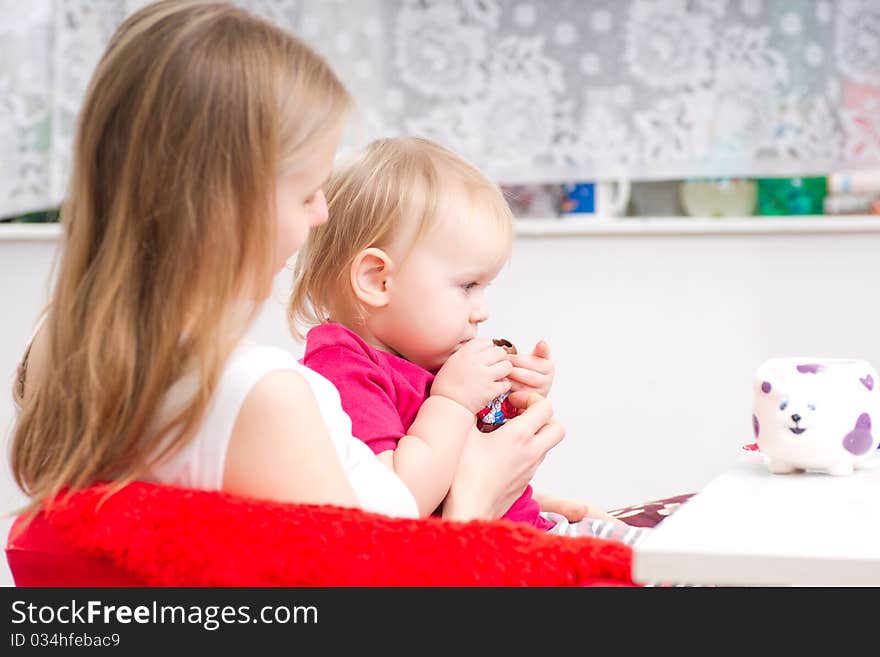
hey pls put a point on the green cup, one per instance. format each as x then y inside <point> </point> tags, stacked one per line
<point>784,196</point>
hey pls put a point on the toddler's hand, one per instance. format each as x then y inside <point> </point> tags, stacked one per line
<point>533,372</point>
<point>474,375</point>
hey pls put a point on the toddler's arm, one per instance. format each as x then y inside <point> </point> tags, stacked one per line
<point>427,457</point>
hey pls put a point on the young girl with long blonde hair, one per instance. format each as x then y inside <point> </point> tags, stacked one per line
<point>203,144</point>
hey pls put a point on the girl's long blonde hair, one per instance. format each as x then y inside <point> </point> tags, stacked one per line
<point>394,184</point>
<point>192,112</point>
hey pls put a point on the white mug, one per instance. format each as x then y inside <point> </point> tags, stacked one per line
<point>612,197</point>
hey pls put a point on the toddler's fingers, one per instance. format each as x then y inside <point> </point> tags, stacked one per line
<point>536,364</point>
<point>500,370</point>
<point>478,345</point>
<point>490,355</point>
<point>500,387</point>
<point>541,350</point>
<point>526,377</point>
<point>496,355</point>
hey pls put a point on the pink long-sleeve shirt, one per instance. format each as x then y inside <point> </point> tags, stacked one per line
<point>382,394</point>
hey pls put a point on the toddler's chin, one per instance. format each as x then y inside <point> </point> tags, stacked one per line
<point>434,361</point>
<point>434,364</point>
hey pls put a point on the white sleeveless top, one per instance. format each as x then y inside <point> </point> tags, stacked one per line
<point>200,463</point>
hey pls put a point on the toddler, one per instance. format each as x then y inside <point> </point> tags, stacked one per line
<point>395,294</point>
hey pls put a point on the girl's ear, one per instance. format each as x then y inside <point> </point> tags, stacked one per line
<point>370,277</point>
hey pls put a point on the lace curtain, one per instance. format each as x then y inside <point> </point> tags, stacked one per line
<point>530,90</point>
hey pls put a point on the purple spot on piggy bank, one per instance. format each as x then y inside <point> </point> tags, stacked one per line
<point>859,440</point>
<point>810,368</point>
<point>868,382</point>
<point>756,425</point>
<point>766,387</point>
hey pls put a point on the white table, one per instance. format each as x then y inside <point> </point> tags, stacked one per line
<point>749,527</point>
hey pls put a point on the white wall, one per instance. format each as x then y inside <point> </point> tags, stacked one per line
<point>656,338</point>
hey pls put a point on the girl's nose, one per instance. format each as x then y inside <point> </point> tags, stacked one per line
<point>320,209</point>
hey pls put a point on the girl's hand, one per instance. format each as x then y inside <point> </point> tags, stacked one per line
<point>533,372</point>
<point>495,468</point>
<point>474,375</point>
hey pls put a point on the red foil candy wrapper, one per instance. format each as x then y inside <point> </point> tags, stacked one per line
<point>499,410</point>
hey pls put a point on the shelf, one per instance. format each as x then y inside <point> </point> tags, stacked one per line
<point>36,232</point>
<point>575,225</point>
<point>758,225</point>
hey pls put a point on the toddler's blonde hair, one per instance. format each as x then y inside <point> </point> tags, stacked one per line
<point>395,184</point>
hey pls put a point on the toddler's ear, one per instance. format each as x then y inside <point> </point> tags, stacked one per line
<point>370,276</point>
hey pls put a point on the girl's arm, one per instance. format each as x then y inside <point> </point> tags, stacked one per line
<point>281,449</point>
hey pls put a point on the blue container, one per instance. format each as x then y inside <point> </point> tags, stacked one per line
<point>580,198</point>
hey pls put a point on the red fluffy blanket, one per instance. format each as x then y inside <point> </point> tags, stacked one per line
<point>165,536</point>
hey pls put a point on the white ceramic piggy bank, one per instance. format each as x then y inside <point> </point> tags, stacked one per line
<point>816,413</point>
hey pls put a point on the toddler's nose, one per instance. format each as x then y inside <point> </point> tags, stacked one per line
<point>479,313</point>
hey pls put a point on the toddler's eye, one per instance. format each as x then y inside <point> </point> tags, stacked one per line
<point>783,405</point>
<point>467,287</point>
<point>812,407</point>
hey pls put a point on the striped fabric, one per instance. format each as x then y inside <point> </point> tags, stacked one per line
<point>598,527</point>
<point>602,528</point>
